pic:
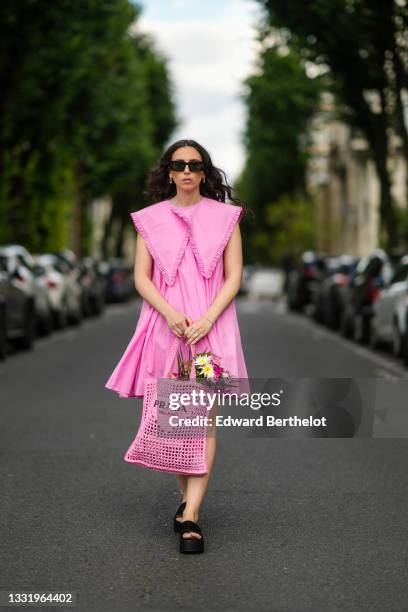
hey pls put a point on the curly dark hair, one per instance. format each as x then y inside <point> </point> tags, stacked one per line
<point>159,188</point>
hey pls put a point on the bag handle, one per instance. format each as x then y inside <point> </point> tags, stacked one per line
<point>172,355</point>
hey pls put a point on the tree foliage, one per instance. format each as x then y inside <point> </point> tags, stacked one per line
<point>86,105</point>
<point>364,46</point>
<point>280,101</point>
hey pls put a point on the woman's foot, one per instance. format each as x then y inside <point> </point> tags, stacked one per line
<point>191,540</point>
<point>190,516</point>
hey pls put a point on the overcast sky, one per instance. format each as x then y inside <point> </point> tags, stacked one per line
<point>211,47</point>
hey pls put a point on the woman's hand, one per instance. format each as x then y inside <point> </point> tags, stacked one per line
<point>177,322</point>
<point>198,330</point>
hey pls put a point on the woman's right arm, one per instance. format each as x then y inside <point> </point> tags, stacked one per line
<point>149,292</point>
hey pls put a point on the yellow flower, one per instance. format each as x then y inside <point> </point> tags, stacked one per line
<point>208,370</point>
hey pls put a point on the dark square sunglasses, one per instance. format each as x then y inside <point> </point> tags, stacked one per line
<point>180,164</point>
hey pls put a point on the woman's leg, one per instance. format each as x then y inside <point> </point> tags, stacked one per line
<point>197,485</point>
<point>182,481</point>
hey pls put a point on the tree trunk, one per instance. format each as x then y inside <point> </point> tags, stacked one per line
<point>400,83</point>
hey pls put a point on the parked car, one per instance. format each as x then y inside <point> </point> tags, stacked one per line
<point>303,281</point>
<point>372,273</point>
<point>389,322</point>
<point>330,267</point>
<point>266,283</point>
<point>120,281</point>
<point>66,262</point>
<point>4,282</point>
<point>93,282</point>
<point>19,291</point>
<point>65,308</point>
<point>20,258</point>
<point>328,298</point>
<point>404,351</point>
<point>45,324</point>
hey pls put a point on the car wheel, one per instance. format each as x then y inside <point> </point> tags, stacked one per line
<point>396,340</point>
<point>62,315</point>
<point>374,337</point>
<point>27,339</point>
<point>98,305</point>
<point>46,325</point>
<point>326,314</point>
<point>331,321</point>
<point>3,333</point>
<point>361,329</point>
<point>357,332</point>
<point>317,313</point>
<point>94,306</point>
<point>291,305</point>
<point>345,327</point>
<point>86,307</point>
<point>405,346</point>
<point>77,317</point>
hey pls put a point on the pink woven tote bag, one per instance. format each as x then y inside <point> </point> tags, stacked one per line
<point>179,449</point>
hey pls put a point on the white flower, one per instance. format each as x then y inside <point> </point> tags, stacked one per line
<point>202,360</point>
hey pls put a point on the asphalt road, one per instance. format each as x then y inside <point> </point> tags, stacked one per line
<point>289,524</point>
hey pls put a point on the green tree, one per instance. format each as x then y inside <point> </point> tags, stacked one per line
<point>76,116</point>
<point>363,44</point>
<point>158,115</point>
<point>280,101</point>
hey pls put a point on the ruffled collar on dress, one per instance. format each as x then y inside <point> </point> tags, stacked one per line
<point>166,229</point>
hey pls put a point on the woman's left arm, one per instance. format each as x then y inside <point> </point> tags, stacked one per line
<point>233,269</point>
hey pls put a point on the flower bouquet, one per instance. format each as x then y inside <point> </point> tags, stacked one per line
<point>208,369</point>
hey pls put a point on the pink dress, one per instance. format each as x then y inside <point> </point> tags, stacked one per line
<point>186,244</point>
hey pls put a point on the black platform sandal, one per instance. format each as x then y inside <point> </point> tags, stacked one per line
<point>191,545</point>
<point>178,513</point>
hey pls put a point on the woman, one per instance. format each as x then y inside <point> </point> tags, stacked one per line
<point>188,269</point>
